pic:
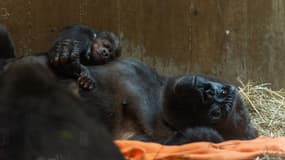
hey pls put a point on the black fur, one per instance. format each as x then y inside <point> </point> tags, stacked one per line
<point>195,134</point>
<point>79,45</point>
<point>199,101</point>
<point>6,45</point>
<point>41,119</point>
<point>141,104</point>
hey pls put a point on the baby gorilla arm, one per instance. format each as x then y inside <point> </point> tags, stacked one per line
<point>73,42</point>
<point>71,45</point>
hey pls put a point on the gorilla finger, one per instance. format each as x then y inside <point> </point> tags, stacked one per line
<point>64,57</point>
<point>84,74</point>
<point>86,85</point>
<point>83,81</point>
<point>87,54</point>
<point>75,53</point>
<point>90,84</point>
<point>51,57</point>
<point>56,54</point>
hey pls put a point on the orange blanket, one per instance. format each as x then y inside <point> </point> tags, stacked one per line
<point>229,150</point>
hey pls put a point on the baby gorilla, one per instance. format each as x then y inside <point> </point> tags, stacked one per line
<point>40,119</point>
<point>79,45</point>
<point>201,108</point>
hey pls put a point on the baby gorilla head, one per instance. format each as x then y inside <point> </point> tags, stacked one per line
<point>106,47</point>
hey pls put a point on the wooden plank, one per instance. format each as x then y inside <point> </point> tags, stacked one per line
<point>226,38</point>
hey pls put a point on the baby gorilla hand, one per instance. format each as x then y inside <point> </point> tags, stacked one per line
<point>66,51</point>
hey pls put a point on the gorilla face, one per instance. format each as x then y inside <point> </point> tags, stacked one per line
<point>216,98</point>
<point>105,48</point>
<point>198,100</point>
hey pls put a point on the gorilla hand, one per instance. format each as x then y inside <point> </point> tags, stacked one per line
<point>67,51</point>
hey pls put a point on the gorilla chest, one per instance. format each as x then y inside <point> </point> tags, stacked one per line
<point>135,106</point>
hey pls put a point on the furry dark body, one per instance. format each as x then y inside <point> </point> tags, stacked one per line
<point>6,45</point>
<point>141,104</point>
<point>42,119</point>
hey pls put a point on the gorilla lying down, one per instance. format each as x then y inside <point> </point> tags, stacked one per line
<point>140,104</point>
<point>42,119</point>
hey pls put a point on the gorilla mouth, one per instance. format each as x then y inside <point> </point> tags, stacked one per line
<point>97,57</point>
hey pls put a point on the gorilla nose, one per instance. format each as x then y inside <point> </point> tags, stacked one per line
<point>105,53</point>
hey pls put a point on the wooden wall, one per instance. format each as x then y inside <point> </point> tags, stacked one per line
<point>226,38</point>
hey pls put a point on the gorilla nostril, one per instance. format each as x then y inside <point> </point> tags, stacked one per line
<point>105,53</point>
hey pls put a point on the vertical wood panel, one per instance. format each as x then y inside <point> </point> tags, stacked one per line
<point>226,38</point>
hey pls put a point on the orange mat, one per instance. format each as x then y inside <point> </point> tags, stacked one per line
<point>229,150</point>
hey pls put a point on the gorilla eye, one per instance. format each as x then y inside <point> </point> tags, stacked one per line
<point>107,46</point>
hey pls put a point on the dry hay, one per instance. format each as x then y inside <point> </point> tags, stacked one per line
<point>267,108</point>
<point>270,157</point>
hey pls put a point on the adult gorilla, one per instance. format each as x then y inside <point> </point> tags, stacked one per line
<point>144,105</point>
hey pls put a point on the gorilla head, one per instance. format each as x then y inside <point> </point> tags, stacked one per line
<point>200,101</point>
